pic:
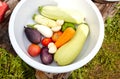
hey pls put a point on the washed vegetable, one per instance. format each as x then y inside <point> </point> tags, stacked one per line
<point>66,25</point>
<point>46,41</point>
<point>59,25</point>
<point>33,35</point>
<point>52,48</point>
<point>55,29</point>
<point>44,30</point>
<point>54,12</point>
<point>67,53</point>
<point>56,35</point>
<point>59,22</point>
<point>44,20</point>
<point>45,56</point>
<point>65,37</point>
<point>34,50</point>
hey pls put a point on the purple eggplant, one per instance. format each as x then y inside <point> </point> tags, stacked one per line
<point>45,56</point>
<point>33,35</point>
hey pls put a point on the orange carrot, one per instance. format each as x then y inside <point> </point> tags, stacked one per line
<point>65,37</point>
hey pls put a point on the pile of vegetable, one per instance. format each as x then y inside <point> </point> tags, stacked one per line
<point>57,35</point>
<point>12,67</point>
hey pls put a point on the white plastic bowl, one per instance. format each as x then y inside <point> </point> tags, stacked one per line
<point>22,15</point>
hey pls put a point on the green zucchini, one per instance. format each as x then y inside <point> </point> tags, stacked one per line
<point>44,20</point>
<point>67,53</point>
<point>54,12</point>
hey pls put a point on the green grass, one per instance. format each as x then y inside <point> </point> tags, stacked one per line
<point>106,64</point>
<point>12,67</point>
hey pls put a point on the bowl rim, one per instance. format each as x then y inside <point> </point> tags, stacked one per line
<point>54,69</point>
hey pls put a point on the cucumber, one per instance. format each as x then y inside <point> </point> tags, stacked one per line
<point>54,12</point>
<point>67,53</point>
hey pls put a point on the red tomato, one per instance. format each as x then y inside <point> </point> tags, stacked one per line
<point>56,35</point>
<point>34,50</point>
<point>46,41</point>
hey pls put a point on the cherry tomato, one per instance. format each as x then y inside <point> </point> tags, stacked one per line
<point>56,35</point>
<point>46,41</point>
<point>34,50</point>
